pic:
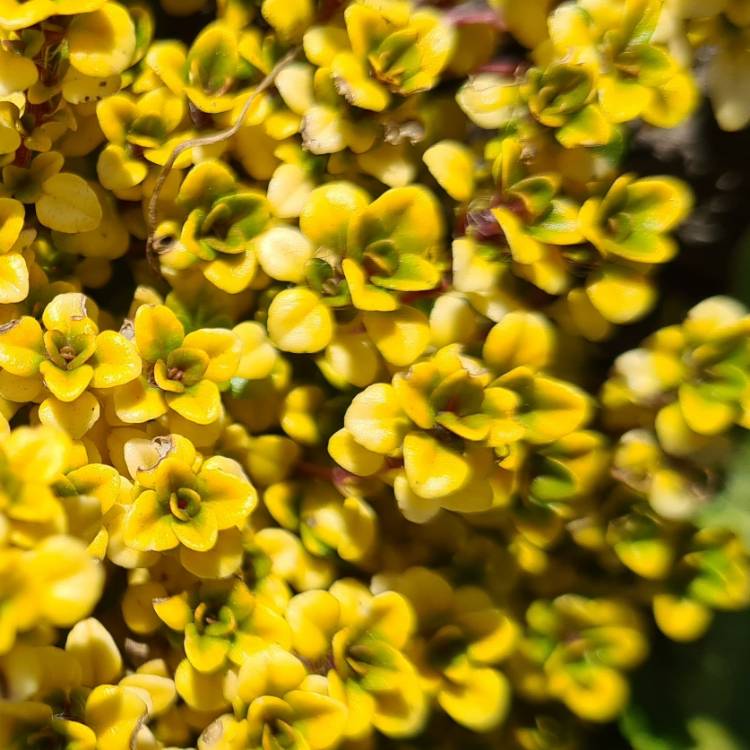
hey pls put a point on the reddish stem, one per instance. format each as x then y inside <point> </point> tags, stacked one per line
<point>473,14</point>
<point>316,472</point>
<point>505,66</point>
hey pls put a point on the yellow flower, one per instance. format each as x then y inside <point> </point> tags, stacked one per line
<point>115,714</point>
<point>632,219</point>
<point>362,636</point>
<point>443,417</point>
<point>293,179</point>
<point>70,580</point>
<point>326,122</point>
<point>637,77</point>
<point>642,540</point>
<point>351,357</point>
<point>530,213</point>
<point>181,373</point>
<point>88,493</point>
<point>35,720</point>
<point>223,623</point>
<point>152,681</point>
<point>283,253</point>
<point>182,500</point>
<point>461,636</point>
<point>563,96</point>
<point>681,618</point>
<point>328,212</point>
<point>199,304</point>
<point>215,72</point>
<point>490,100</point>
<point>726,74</point>
<point>686,385</point>
<point>221,220</point>
<point>134,126</point>
<point>569,470</point>
<point>68,356</point>
<point>31,460</point>
<point>528,24</point>
<point>283,706</point>
<point>722,577</point>
<point>583,646</point>
<point>404,51</point>
<point>713,575</point>
<point>257,403</point>
<point>68,204</point>
<point>326,522</point>
<point>274,555</point>
<point>519,339</point>
<point>56,583</point>
<point>393,246</point>
<point>267,458</point>
<point>109,240</point>
<point>359,255</point>
<point>18,72</point>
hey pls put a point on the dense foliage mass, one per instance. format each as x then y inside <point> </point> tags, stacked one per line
<point>300,449</point>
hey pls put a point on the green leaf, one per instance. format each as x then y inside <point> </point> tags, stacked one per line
<point>536,192</point>
<point>554,482</point>
<point>589,127</point>
<point>559,226</point>
<point>213,59</point>
<point>641,20</point>
<point>693,696</point>
<point>709,735</point>
<point>730,508</point>
<point>613,152</point>
<point>741,275</point>
<point>317,273</point>
<point>413,274</point>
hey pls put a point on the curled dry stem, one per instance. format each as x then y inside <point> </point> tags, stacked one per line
<point>205,140</point>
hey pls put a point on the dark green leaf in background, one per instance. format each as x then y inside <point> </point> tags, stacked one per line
<point>694,696</point>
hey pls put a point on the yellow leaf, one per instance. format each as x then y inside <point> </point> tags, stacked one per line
<point>102,43</point>
<point>679,618</point>
<point>68,204</point>
<point>355,458</point>
<point>400,336</point>
<point>95,650</point>
<point>12,216</point>
<point>299,321</point>
<point>17,73</point>
<point>452,165</point>
<point>14,278</point>
<point>477,699</point>
<point>432,469</point>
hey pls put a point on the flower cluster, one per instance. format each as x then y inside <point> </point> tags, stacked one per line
<point>675,401</point>
<point>721,29</point>
<point>298,446</point>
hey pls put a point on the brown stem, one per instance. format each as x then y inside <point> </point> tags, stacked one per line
<point>314,471</point>
<point>206,140</point>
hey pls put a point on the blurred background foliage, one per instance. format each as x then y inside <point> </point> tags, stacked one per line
<point>694,696</point>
